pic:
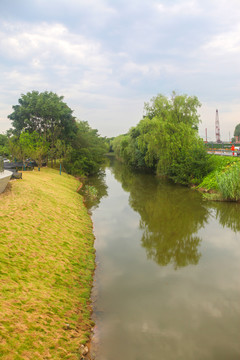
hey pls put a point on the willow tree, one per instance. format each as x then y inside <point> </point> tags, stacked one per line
<point>167,138</point>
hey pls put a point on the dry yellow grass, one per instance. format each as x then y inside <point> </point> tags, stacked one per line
<point>46,267</point>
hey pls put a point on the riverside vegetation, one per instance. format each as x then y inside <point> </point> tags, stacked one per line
<point>46,245</point>
<point>223,182</point>
<point>166,142</point>
<point>47,264</point>
<point>44,129</point>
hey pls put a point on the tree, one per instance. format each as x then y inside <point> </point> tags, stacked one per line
<point>46,114</point>
<point>38,148</point>
<point>237,130</point>
<point>87,151</point>
<point>4,148</point>
<point>166,139</point>
<point>29,145</point>
<point>46,119</point>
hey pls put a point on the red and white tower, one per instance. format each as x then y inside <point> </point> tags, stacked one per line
<point>217,128</point>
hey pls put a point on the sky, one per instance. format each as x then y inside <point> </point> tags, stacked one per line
<point>108,57</point>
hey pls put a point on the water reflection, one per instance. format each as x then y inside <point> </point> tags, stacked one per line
<point>227,214</point>
<point>98,181</point>
<point>169,219</point>
<point>151,312</point>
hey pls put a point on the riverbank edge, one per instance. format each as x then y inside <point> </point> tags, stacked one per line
<point>48,259</point>
<point>212,195</point>
<point>209,193</point>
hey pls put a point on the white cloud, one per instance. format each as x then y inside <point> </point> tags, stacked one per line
<point>189,7</point>
<point>46,42</point>
<point>149,69</point>
<point>225,43</point>
<point>108,56</point>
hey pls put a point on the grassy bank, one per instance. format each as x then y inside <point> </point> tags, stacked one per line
<point>46,266</point>
<point>223,182</point>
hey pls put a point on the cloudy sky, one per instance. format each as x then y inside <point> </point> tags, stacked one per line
<point>108,57</point>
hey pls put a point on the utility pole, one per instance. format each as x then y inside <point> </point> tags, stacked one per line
<point>206,134</point>
<point>217,128</point>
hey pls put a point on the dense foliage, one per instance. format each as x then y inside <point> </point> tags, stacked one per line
<point>45,113</point>
<point>237,130</point>
<point>44,128</point>
<point>166,140</point>
<point>87,151</point>
<point>4,148</point>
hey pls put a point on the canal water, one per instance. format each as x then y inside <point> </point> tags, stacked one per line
<point>167,283</point>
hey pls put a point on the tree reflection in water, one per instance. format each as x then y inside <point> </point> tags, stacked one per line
<point>171,216</point>
<point>227,214</point>
<point>98,181</point>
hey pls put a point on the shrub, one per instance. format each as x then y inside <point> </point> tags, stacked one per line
<point>191,166</point>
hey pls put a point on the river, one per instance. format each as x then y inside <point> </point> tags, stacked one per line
<point>167,283</point>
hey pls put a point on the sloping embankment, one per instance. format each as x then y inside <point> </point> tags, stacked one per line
<point>46,267</point>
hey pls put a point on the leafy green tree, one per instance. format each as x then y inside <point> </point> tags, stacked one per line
<point>46,114</point>
<point>16,150</point>
<point>4,147</point>
<point>126,149</point>
<point>166,140</point>
<point>88,148</point>
<point>237,130</point>
<point>169,131</point>
<point>62,149</point>
<point>29,145</point>
<point>39,148</point>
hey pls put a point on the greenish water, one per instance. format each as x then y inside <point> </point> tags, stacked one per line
<point>167,284</point>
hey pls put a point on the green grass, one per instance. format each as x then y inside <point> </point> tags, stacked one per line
<point>46,265</point>
<point>221,179</point>
<point>229,183</point>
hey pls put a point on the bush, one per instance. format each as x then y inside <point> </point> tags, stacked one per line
<point>191,165</point>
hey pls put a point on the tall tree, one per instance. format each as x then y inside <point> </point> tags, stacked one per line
<point>166,139</point>
<point>45,113</point>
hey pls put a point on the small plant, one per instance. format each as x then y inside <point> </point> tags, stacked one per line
<point>229,183</point>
